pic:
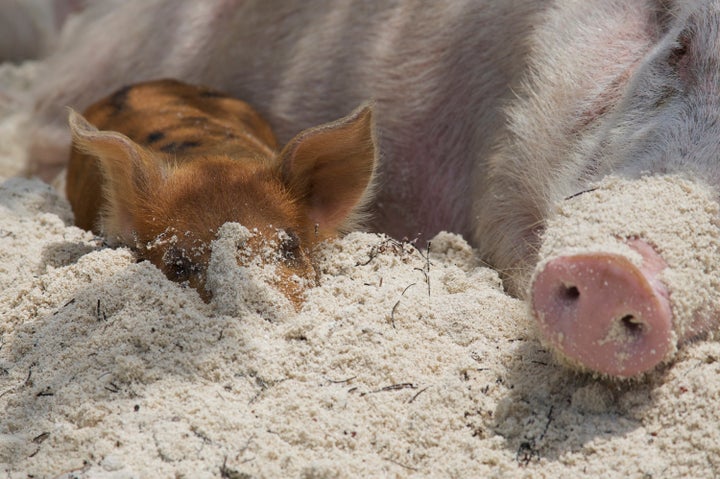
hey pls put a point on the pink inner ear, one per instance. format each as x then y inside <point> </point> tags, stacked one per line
<point>680,57</point>
<point>129,173</point>
<point>131,181</point>
<point>336,190</point>
<point>330,168</point>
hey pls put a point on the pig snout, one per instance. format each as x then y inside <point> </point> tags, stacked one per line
<point>603,312</point>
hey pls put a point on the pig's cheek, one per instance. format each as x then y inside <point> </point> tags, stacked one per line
<point>604,313</point>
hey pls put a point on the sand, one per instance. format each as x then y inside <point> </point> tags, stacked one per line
<point>399,364</point>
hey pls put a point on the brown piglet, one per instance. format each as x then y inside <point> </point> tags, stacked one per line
<point>160,166</point>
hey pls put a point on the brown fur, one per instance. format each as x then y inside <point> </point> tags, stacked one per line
<point>172,163</point>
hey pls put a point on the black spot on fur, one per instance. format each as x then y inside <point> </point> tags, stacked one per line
<point>118,99</point>
<point>212,94</point>
<point>179,147</point>
<point>155,136</point>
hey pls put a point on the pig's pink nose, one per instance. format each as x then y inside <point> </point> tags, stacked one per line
<point>602,311</point>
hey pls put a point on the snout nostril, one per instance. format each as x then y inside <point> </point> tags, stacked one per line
<point>570,293</point>
<point>632,325</point>
<point>567,296</point>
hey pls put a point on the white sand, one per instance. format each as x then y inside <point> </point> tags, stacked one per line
<point>108,370</point>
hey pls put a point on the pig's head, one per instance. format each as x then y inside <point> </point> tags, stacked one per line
<point>170,212</point>
<point>618,272</point>
<point>627,271</point>
<point>619,312</point>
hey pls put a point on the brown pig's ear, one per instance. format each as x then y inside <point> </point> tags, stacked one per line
<point>129,173</point>
<point>329,169</point>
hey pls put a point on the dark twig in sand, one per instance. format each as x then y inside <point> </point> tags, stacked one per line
<point>27,379</point>
<point>526,453</point>
<point>41,438</point>
<point>113,388</point>
<point>227,473</point>
<point>579,193</point>
<point>392,387</point>
<point>340,381</point>
<point>388,244</point>
<point>64,306</point>
<point>547,424</point>
<point>418,393</point>
<point>392,313</point>
<point>425,270</point>
<point>101,316</point>
<point>528,450</point>
<point>45,393</point>
<point>402,465</point>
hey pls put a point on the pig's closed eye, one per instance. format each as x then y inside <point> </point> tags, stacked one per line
<point>290,246</point>
<point>181,270</point>
<point>178,266</point>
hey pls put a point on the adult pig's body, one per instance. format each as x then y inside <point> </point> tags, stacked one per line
<point>435,70</point>
<point>489,113</point>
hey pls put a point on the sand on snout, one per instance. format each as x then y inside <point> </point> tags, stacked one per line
<point>399,364</point>
<point>676,216</point>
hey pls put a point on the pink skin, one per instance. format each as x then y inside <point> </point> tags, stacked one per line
<point>602,311</point>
